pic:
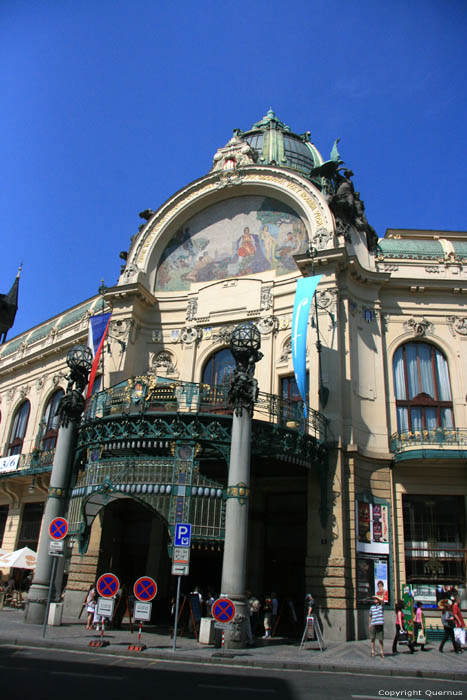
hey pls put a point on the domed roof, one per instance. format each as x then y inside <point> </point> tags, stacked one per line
<point>276,144</point>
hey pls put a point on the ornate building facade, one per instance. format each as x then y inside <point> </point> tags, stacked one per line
<point>368,484</point>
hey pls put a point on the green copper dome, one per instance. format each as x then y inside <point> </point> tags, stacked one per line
<point>276,144</point>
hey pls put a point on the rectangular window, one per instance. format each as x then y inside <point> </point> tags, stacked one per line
<point>30,525</point>
<point>434,537</point>
<point>3,519</point>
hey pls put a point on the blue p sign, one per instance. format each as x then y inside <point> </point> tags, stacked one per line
<point>182,535</point>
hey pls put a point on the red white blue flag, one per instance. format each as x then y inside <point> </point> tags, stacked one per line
<point>98,327</point>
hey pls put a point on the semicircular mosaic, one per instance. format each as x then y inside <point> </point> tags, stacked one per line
<point>242,236</point>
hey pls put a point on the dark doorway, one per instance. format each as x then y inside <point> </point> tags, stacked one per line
<point>134,544</point>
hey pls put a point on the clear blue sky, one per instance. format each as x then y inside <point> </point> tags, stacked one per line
<point>110,106</point>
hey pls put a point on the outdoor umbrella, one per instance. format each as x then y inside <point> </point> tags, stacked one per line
<point>23,558</point>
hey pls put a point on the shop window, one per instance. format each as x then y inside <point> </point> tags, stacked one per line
<point>422,388</point>
<point>434,535</point>
<point>51,421</point>
<point>30,525</point>
<point>18,429</point>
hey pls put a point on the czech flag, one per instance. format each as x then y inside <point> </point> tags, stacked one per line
<point>98,327</point>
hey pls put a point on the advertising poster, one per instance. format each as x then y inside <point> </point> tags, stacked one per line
<point>381,579</point>
<point>372,528</point>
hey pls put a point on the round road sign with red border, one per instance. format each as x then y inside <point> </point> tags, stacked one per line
<point>223,610</point>
<point>107,585</point>
<point>58,528</point>
<point>145,589</point>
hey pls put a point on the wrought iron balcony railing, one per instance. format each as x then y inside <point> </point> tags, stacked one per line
<point>148,394</point>
<point>445,438</point>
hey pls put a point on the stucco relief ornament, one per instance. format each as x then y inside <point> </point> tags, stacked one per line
<point>322,238</point>
<point>460,324</point>
<point>24,391</point>
<point>286,350</point>
<point>326,298</point>
<point>223,335</point>
<point>190,335</point>
<point>40,383</point>
<point>191,309</point>
<point>420,327</point>
<point>164,360</point>
<point>267,325</point>
<point>131,272</point>
<point>10,393</point>
<point>235,154</point>
<point>266,298</point>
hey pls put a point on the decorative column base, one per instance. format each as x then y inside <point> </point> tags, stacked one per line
<point>237,636</point>
<point>36,604</point>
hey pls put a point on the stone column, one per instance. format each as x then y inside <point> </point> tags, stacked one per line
<point>70,410</point>
<point>56,506</point>
<point>244,346</point>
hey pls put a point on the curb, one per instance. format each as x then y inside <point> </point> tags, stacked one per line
<point>215,659</point>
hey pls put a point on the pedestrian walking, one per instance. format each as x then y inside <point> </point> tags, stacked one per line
<point>91,602</point>
<point>419,627</point>
<point>401,632</point>
<point>376,625</point>
<point>449,621</point>
<point>267,620</point>
<point>459,629</point>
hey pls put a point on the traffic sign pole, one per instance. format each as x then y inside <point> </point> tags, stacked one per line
<point>49,597</point>
<point>177,603</point>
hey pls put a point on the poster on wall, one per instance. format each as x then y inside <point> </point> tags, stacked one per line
<point>372,528</point>
<point>380,569</point>
<point>372,577</point>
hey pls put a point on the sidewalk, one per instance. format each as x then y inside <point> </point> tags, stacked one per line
<point>339,657</point>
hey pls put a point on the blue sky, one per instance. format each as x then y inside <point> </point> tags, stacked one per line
<point>110,106</point>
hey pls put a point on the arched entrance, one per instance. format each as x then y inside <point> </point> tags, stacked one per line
<point>134,543</point>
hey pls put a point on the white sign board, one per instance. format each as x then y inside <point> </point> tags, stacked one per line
<point>142,611</point>
<point>181,555</point>
<point>105,607</point>
<point>180,569</point>
<point>56,548</point>
<point>9,464</point>
<point>223,625</point>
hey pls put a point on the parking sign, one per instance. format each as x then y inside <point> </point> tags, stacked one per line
<point>182,535</point>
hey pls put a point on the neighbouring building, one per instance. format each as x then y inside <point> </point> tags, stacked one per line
<point>369,485</point>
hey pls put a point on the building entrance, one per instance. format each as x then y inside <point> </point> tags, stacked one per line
<point>134,544</point>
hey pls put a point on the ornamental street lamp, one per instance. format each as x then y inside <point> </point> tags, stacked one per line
<point>245,343</point>
<point>79,360</point>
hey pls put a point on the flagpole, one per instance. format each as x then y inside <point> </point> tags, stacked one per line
<point>101,290</point>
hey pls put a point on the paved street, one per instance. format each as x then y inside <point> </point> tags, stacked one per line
<point>77,675</point>
<point>340,661</point>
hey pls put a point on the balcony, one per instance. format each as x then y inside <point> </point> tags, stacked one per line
<point>438,443</point>
<point>152,395</point>
<point>35,462</point>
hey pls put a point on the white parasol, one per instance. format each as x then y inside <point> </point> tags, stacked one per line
<point>23,558</point>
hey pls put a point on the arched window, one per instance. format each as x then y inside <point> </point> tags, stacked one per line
<point>18,429</point>
<point>422,387</point>
<point>50,421</point>
<point>219,368</point>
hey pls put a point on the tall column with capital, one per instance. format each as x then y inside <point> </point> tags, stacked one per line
<point>79,360</point>
<point>244,345</point>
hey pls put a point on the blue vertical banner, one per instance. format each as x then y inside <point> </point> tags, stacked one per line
<point>306,287</point>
